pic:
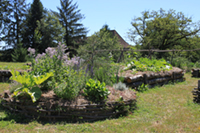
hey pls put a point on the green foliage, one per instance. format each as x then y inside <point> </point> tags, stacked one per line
<point>102,40</point>
<point>29,83</point>
<point>182,63</point>
<point>120,86</point>
<point>96,91</point>
<point>142,88</point>
<point>70,83</point>
<point>101,63</point>
<point>196,64</point>
<point>19,54</point>
<point>145,64</point>
<point>14,12</point>
<point>162,30</point>
<point>106,74</point>
<point>52,31</point>
<point>70,17</point>
<point>36,13</point>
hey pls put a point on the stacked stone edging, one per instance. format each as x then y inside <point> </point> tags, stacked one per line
<point>84,112</point>
<point>195,73</point>
<point>154,78</point>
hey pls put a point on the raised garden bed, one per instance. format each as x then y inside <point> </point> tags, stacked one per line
<point>152,78</point>
<point>52,108</point>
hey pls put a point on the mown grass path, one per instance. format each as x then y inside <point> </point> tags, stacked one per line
<point>162,109</point>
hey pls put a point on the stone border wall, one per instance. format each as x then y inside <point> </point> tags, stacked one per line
<point>154,78</point>
<point>195,73</point>
<point>86,112</point>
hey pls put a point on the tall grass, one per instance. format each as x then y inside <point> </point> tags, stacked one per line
<point>161,109</point>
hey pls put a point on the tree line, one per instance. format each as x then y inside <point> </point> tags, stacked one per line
<point>24,25</point>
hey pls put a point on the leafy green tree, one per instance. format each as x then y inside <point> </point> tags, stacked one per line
<point>162,30</point>
<point>99,63</point>
<point>4,12</point>
<point>102,40</point>
<point>36,13</point>
<point>70,16</point>
<point>14,21</point>
<point>52,32</point>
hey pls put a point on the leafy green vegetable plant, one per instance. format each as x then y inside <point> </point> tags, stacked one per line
<point>142,88</point>
<point>29,83</point>
<point>145,64</point>
<point>96,91</point>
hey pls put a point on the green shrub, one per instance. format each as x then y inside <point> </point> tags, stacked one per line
<point>106,74</point>
<point>96,91</point>
<point>182,63</point>
<point>71,82</point>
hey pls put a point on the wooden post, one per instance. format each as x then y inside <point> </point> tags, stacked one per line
<point>120,57</point>
<point>145,79</point>
<point>172,56</point>
<point>91,68</point>
<point>198,84</point>
<point>149,51</point>
<point>173,77</point>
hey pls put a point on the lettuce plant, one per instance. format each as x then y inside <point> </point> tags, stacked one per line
<point>29,83</point>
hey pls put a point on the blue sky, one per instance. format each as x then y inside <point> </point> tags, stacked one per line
<point>118,14</point>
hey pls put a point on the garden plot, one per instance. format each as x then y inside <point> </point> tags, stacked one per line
<point>149,72</point>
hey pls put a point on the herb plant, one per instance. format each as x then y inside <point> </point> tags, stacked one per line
<point>96,91</point>
<point>120,86</point>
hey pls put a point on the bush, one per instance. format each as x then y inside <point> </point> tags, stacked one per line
<point>106,74</point>
<point>96,91</point>
<point>182,63</point>
<point>71,82</point>
<point>54,60</point>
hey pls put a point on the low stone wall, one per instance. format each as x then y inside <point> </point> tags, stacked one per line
<point>154,78</point>
<point>85,112</point>
<point>195,73</point>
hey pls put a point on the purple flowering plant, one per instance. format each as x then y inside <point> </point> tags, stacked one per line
<point>68,79</point>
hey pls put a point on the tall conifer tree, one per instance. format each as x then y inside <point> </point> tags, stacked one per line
<point>36,13</point>
<point>69,16</point>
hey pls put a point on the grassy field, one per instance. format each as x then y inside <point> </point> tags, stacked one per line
<point>161,109</point>
<point>11,65</point>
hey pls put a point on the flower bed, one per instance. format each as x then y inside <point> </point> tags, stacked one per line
<point>53,108</point>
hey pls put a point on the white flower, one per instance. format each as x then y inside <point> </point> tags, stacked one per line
<point>168,67</point>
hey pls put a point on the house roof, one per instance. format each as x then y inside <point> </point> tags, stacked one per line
<point>121,40</point>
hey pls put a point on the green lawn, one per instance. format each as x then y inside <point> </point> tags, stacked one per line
<point>161,109</point>
<point>11,65</point>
